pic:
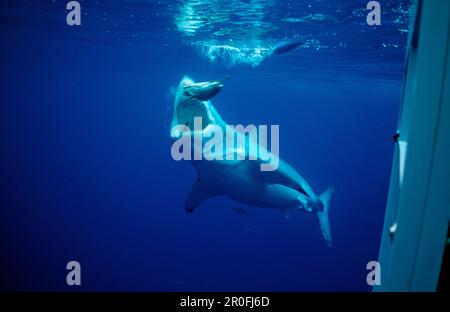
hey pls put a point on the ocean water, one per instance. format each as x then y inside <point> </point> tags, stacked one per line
<point>86,169</point>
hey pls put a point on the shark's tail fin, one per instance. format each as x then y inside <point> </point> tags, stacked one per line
<point>323,215</point>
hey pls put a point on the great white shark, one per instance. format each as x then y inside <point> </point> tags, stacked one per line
<point>242,179</point>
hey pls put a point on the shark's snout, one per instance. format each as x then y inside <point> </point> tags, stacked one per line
<point>202,91</point>
<point>239,180</point>
<point>312,204</point>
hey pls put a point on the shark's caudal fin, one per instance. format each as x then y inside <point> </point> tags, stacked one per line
<point>323,215</point>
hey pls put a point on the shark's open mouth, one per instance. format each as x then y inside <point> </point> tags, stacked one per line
<point>199,120</point>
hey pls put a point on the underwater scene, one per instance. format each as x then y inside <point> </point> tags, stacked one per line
<point>94,169</point>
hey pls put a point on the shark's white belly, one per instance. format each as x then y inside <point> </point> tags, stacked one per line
<point>246,185</point>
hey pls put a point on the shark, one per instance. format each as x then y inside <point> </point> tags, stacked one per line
<point>241,178</point>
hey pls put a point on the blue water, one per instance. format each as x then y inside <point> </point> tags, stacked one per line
<point>86,171</point>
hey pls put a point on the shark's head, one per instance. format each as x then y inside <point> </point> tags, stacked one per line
<point>187,107</point>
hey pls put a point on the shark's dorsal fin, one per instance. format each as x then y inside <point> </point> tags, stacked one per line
<point>200,191</point>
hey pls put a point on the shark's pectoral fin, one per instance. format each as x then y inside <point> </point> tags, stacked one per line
<point>200,191</point>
